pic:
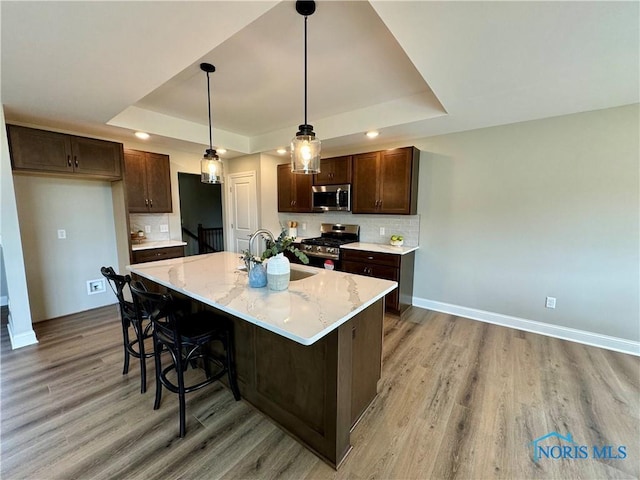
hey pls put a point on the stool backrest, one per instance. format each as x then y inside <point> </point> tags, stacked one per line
<point>117,284</point>
<point>160,307</point>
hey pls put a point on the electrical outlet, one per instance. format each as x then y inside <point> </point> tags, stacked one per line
<point>62,234</point>
<point>550,302</point>
<point>304,226</point>
<point>381,230</point>
<point>96,286</point>
<point>164,228</point>
<point>147,229</point>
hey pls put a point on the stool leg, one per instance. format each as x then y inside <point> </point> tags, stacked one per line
<point>181,393</point>
<point>125,339</point>
<point>157,351</point>
<point>143,359</point>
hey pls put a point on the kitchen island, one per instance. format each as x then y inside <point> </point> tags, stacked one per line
<point>308,357</point>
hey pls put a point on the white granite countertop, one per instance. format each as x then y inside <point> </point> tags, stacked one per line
<point>158,244</point>
<point>379,247</point>
<point>310,309</point>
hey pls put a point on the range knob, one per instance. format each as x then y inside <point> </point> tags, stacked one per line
<point>332,250</point>
<point>318,248</point>
<point>308,248</point>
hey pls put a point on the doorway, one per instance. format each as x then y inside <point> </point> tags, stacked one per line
<point>200,204</point>
<point>242,210</point>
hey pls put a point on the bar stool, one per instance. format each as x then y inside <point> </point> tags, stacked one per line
<point>140,324</point>
<point>187,338</point>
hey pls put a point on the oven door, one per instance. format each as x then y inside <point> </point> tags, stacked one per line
<point>331,198</point>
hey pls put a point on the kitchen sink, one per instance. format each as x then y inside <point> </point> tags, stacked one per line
<point>299,274</point>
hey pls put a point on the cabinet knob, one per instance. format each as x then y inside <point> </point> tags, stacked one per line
<point>146,202</point>
<point>151,203</point>
<point>75,160</point>
<point>69,160</point>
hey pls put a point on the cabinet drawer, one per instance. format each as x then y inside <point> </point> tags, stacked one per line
<point>377,271</point>
<point>370,257</point>
<point>153,254</point>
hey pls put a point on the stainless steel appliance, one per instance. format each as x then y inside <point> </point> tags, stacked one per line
<point>331,197</point>
<point>327,245</point>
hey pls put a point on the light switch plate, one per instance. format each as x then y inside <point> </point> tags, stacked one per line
<point>164,228</point>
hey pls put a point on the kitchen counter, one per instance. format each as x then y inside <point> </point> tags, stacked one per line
<point>310,357</point>
<point>380,248</point>
<point>310,309</point>
<point>145,245</point>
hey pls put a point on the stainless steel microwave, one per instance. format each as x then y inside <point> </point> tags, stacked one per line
<point>331,197</point>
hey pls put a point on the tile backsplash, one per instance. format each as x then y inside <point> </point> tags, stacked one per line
<point>406,225</point>
<point>138,221</point>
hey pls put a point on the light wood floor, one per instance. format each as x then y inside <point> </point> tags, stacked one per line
<point>459,399</point>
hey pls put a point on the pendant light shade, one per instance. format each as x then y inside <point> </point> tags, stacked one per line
<point>211,168</point>
<point>305,147</point>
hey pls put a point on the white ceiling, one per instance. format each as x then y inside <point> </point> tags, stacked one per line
<point>408,68</point>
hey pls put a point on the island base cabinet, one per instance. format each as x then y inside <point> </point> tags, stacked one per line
<point>316,393</point>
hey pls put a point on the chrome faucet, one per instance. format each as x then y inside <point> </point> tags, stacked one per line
<point>262,231</point>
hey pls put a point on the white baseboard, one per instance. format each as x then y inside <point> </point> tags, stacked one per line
<point>21,339</point>
<point>565,333</point>
<point>4,301</point>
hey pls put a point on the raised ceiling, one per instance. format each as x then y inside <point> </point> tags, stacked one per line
<point>409,69</point>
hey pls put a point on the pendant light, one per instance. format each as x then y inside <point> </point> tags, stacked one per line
<point>305,147</point>
<point>211,169</point>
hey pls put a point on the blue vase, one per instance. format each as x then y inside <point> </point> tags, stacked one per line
<point>258,276</point>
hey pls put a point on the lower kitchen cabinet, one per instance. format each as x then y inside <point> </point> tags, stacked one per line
<point>398,268</point>
<point>153,254</point>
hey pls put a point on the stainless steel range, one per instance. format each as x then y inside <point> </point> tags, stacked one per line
<point>327,245</point>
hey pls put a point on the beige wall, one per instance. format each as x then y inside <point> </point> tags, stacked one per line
<point>515,213</point>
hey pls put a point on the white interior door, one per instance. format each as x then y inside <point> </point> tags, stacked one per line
<point>243,209</point>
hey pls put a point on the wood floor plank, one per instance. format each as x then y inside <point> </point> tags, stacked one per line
<point>458,399</point>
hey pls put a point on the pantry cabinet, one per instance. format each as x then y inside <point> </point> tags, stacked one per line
<point>148,182</point>
<point>294,190</point>
<point>41,151</point>
<point>386,182</point>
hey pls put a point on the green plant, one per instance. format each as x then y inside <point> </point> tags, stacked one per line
<point>282,244</point>
<point>247,258</point>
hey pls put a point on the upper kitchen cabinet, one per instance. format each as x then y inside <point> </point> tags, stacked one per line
<point>334,171</point>
<point>148,181</point>
<point>386,182</point>
<point>294,190</point>
<point>34,150</point>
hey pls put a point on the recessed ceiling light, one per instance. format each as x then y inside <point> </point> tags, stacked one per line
<point>282,151</point>
<point>221,151</point>
<point>142,135</point>
<point>372,133</point>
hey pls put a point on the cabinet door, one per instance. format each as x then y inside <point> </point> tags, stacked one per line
<point>286,188</point>
<point>334,171</point>
<point>302,197</point>
<point>39,150</point>
<point>395,181</point>
<point>135,181</point>
<point>96,157</point>
<point>365,183</point>
<point>158,183</point>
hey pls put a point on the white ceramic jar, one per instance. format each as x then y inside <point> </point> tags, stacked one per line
<point>278,272</point>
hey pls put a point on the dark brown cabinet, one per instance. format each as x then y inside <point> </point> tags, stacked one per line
<point>153,254</point>
<point>148,181</point>
<point>334,171</point>
<point>398,268</point>
<point>34,150</point>
<point>386,182</point>
<point>294,190</point>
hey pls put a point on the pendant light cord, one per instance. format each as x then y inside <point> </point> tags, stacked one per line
<point>209,102</point>
<point>305,70</point>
